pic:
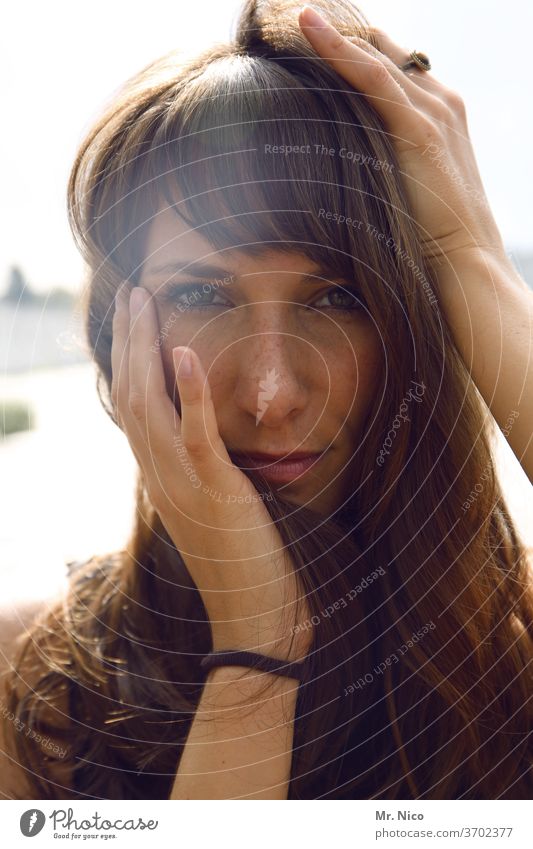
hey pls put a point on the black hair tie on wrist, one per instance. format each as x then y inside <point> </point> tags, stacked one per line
<point>256,661</point>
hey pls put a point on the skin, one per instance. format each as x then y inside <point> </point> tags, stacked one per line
<point>462,244</point>
<point>487,305</point>
<point>261,318</point>
<point>326,360</point>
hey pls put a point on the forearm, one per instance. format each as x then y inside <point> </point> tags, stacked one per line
<point>240,742</point>
<point>492,311</point>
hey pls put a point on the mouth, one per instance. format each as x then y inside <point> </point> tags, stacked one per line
<point>278,468</point>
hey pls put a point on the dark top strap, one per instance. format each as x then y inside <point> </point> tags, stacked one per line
<point>256,661</point>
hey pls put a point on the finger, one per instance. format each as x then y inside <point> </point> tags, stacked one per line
<point>149,405</point>
<point>381,45</point>
<point>120,370</point>
<point>432,104</point>
<point>152,420</point>
<point>199,427</point>
<point>120,353</point>
<point>370,75</point>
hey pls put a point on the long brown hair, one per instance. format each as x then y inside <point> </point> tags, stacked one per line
<point>420,599</point>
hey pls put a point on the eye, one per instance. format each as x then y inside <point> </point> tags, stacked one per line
<point>192,296</point>
<point>349,300</point>
<point>201,296</point>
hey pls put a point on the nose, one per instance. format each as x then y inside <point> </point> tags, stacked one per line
<point>272,378</point>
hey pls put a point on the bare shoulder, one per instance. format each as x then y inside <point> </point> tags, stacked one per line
<point>22,675</point>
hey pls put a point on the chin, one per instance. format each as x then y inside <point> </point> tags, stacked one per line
<point>323,504</point>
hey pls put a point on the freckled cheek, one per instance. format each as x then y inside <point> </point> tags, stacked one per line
<point>352,366</point>
<point>186,334</point>
<point>355,374</point>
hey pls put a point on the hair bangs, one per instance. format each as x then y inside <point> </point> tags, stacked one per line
<point>245,156</point>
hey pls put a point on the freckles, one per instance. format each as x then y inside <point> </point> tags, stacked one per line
<point>369,349</point>
<point>356,360</point>
<point>207,351</point>
<point>369,359</point>
<point>354,367</point>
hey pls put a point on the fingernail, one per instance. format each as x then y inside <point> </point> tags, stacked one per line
<point>183,361</point>
<point>313,18</point>
<point>136,300</point>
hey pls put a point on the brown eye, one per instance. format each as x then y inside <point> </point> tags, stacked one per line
<point>341,298</point>
<point>191,296</point>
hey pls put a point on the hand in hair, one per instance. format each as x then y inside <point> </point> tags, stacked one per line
<point>427,125</point>
<point>489,308</point>
<point>210,509</point>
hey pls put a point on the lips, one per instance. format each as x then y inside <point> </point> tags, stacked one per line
<point>279,468</point>
<point>272,458</point>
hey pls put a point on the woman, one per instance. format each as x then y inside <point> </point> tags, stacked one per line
<point>290,252</point>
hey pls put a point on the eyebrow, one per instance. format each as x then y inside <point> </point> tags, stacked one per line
<point>209,271</point>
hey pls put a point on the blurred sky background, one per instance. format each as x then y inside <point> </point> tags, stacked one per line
<point>67,486</point>
<point>61,62</point>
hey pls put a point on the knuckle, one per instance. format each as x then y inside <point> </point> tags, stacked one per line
<point>454,101</point>
<point>441,113</point>
<point>337,41</point>
<point>430,133</point>
<point>137,404</point>
<point>378,73</point>
<point>192,398</point>
<point>195,447</point>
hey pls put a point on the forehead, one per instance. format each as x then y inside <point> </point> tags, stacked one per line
<point>171,239</point>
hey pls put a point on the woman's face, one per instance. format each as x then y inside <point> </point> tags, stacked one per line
<point>289,370</point>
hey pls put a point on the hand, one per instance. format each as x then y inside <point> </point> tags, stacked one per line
<point>212,513</point>
<point>428,130</point>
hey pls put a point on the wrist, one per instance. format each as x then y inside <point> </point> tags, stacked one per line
<point>233,672</point>
<point>480,263</point>
<point>241,688</point>
<point>291,649</point>
<point>279,640</point>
